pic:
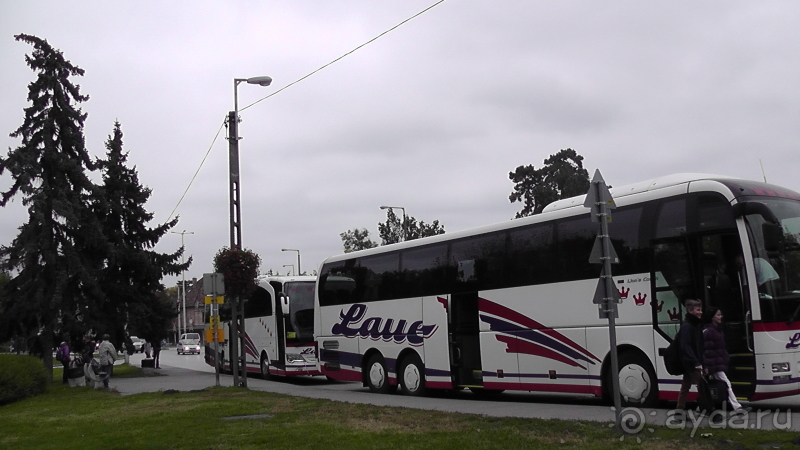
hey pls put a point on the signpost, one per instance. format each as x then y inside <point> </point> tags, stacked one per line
<point>214,290</point>
<point>606,295</point>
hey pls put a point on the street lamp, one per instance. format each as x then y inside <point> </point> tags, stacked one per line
<point>183,280</point>
<point>404,218</point>
<point>290,265</point>
<point>233,159</point>
<point>237,330</point>
<point>298,257</point>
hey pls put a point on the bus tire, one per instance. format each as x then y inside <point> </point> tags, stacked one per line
<point>638,384</point>
<point>412,376</point>
<point>377,376</point>
<point>264,367</point>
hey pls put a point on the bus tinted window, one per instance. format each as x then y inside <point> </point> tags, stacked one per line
<point>259,304</point>
<point>424,271</point>
<point>671,219</point>
<point>714,212</point>
<point>378,277</point>
<point>479,261</point>
<point>530,255</point>
<point>624,231</point>
<point>575,240</point>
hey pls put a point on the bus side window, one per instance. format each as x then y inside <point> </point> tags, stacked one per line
<point>259,304</point>
<point>530,256</point>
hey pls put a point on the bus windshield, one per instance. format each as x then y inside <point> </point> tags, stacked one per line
<point>776,259</point>
<point>301,307</point>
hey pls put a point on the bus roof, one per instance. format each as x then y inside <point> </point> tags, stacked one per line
<point>738,187</point>
<point>285,279</point>
<point>637,188</point>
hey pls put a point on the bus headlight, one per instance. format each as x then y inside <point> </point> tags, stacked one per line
<point>780,367</point>
<point>294,357</point>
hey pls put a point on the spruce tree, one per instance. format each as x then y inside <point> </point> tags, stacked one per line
<point>55,255</point>
<point>132,273</point>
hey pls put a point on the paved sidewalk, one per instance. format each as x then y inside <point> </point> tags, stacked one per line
<point>522,405</point>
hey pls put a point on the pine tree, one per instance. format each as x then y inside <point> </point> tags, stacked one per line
<point>132,273</point>
<point>56,253</point>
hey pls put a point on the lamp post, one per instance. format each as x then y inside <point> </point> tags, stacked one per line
<point>289,265</point>
<point>183,281</point>
<point>233,159</point>
<point>298,257</point>
<point>404,218</point>
<point>237,329</point>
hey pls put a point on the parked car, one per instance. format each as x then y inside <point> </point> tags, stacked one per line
<point>189,343</point>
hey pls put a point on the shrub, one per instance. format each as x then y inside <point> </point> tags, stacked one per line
<point>21,376</point>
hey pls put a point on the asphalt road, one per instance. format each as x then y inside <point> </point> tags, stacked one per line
<point>189,372</point>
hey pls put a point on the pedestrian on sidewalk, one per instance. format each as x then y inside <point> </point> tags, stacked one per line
<point>108,355</point>
<point>156,352</point>
<point>62,355</point>
<point>716,354</point>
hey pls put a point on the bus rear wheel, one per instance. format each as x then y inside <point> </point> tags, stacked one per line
<point>638,384</point>
<point>377,375</point>
<point>412,376</point>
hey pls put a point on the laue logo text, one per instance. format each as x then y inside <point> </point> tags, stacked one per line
<point>380,328</point>
<point>794,341</point>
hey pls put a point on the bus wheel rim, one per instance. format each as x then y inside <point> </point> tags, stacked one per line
<point>634,383</point>
<point>376,375</point>
<point>411,377</point>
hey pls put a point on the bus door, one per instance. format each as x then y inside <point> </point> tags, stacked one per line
<point>724,286</point>
<point>280,327</point>
<point>465,346</point>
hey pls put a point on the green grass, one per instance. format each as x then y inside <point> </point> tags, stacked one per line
<point>84,418</point>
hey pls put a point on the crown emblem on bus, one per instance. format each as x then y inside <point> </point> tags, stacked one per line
<point>639,299</point>
<point>674,315</point>
<point>379,328</point>
<point>623,293</point>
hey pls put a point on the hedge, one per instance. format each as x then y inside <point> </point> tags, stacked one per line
<point>20,377</point>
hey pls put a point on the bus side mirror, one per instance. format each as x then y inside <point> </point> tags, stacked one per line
<point>773,236</point>
<point>285,304</point>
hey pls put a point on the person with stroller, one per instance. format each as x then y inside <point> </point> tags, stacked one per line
<point>716,356</point>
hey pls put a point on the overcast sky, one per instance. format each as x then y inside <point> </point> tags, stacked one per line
<point>431,116</point>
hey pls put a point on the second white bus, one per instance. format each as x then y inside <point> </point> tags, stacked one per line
<point>279,325</point>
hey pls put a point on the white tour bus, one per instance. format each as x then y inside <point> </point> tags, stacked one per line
<point>509,306</point>
<point>279,322</point>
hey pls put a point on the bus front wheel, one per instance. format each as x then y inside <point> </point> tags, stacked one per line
<point>377,376</point>
<point>264,367</point>
<point>412,376</point>
<point>638,384</point>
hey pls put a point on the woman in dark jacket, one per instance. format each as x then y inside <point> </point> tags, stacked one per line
<point>716,354</point>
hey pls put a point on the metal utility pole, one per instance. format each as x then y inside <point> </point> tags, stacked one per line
<point>238,352</point>
<point>606,295</point>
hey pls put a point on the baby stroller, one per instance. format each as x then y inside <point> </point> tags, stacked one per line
<point>93,374</point>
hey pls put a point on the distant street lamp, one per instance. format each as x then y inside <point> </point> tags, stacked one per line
<point>298,257</point>
<point>404,218</point>
<point>183,281</point>
<point>290,265</point>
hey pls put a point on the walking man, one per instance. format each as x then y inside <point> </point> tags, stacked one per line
<point>108,354</point>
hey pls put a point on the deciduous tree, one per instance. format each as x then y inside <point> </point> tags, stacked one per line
<point>357,239</point>
<point>396,229</point>
<point>561,176</point>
